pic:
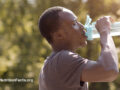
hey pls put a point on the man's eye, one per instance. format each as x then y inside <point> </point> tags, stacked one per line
<point>75,23</point>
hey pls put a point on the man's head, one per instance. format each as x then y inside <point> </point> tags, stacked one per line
<point>49,22</point>
<point>60,26</point>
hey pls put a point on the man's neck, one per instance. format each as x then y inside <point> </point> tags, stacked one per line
<point>59,47</point>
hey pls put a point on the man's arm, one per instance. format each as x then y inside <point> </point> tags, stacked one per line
<point>105,69</point>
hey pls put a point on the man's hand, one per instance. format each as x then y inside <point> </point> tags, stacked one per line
<point>103,24</point>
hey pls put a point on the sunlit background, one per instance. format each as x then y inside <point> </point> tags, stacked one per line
<point>23,50</point>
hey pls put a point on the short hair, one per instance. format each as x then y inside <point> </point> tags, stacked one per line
<point>49,22</point>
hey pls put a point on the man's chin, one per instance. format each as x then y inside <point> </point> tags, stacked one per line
<point>83,44</point>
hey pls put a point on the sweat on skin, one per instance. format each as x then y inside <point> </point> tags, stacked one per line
<point>66,70</point>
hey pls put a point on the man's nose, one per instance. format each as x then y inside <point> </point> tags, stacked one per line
<point>81,25</point>
<point>82,28</point>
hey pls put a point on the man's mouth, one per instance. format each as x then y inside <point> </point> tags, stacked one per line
<point>84,33</point>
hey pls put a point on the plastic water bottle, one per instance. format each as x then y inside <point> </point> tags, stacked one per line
<point>91,31</point>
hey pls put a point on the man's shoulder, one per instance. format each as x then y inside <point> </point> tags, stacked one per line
<point>62,53</point>
<point>69,54</point>
<point>65,56</point>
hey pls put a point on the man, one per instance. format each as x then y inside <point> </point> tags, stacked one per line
<point>66,70</point>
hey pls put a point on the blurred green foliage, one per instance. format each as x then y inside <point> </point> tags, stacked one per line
<point>22,48</point>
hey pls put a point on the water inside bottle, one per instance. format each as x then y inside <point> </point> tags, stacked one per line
<point>115,29</point>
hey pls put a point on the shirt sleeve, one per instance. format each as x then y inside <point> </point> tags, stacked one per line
<point>70,68</point>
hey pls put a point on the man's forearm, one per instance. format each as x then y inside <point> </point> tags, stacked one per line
<point>108,58</point>
<point>105,69</point>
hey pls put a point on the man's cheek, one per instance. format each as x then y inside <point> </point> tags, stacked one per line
<point>76,27</point>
